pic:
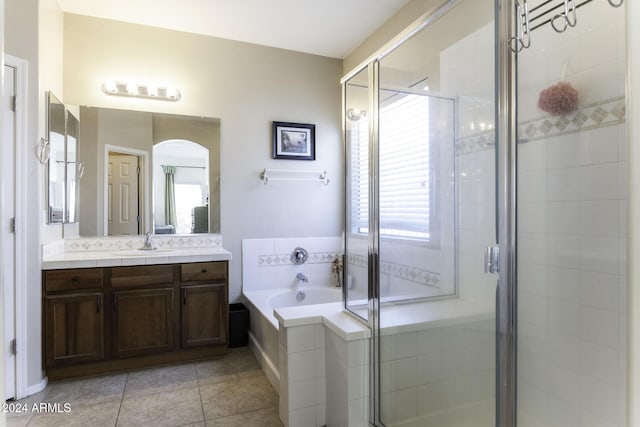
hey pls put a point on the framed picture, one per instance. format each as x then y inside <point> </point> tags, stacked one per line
<point>294,141</point>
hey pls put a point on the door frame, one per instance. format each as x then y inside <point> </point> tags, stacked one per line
<point>145,176</point>
<point>20,185</point>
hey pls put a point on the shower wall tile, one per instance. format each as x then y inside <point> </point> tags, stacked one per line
<point>600,218</point>
<point>562,184</point>
<point>562,217</point>
<point>601,145</point>
<point>454,365</point>
<point>572,331</point>
<point>599,182</point>
<point>303,375</point>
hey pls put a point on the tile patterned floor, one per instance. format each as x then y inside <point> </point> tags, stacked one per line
<point>228,392</point>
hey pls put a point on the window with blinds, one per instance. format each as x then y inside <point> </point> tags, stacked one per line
<point>406,199</point>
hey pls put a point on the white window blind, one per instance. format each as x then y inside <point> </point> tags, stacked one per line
<point>405,169</point>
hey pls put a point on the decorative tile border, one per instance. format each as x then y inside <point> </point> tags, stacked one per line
<point>475,143</point>
<point>610,112</point>
<point>52,248</point>
<point>406,272</point>
<point>285,259</point>
<point>114,243</point>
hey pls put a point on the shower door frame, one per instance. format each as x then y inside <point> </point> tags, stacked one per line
<point>506,214</point>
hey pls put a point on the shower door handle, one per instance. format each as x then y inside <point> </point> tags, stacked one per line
<point>492,259</point>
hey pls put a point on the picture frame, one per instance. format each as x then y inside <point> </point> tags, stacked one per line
<point>294,141</point>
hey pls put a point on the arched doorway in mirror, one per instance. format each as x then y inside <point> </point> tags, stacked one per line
<point>180,187</point>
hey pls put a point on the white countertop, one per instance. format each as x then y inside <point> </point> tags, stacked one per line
<point>114,258</point>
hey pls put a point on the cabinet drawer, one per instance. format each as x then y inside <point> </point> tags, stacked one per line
<point>72,280</point>
<point>126,277</point>
<point>201,271</point>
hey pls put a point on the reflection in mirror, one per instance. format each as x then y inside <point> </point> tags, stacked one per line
<point>196,188</point>
<point>180,187</point>
<point>125,178</point>
<point>56,165</point>
<point>72,168</point>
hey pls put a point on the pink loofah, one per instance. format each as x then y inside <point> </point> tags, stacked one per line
<point>559,99</point>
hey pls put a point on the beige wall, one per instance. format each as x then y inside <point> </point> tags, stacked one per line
<point>247,87</point>
<point>413,10</point>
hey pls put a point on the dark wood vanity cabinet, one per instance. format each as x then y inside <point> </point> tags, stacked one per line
<point>75,332</point>
<point>202,325</point>
<point>142,322</point>
<point>99,320</point>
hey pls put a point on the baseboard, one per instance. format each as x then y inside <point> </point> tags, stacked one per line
<point>37,388</point>
<point>266,364</point>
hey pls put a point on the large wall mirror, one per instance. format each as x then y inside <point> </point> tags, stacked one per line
<point>148,172</point>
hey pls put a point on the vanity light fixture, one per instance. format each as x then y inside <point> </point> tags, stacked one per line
<point>138,90</point>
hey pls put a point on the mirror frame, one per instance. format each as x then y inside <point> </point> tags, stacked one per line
<point>51,99</point>
<point>72,129</point>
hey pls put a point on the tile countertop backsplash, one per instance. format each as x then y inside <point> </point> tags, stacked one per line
<point>117,251</point>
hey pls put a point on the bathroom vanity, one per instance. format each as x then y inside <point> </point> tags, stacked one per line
<point>116,317</point>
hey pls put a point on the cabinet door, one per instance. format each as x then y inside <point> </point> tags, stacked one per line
<point>143,322</point>
<point>204,315</point>
<point>74,329</point>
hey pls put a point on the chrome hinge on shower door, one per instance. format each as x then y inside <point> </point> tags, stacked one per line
<point>492,259</point>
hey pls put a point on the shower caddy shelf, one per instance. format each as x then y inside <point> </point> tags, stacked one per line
<point>268,175</point>
<point>529,19</point>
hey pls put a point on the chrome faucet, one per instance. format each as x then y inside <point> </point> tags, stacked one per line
<point>302,278</point>
<point>148,245</point>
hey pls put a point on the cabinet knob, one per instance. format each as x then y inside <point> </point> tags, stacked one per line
<point>204,270</point>
<point>75,278</point>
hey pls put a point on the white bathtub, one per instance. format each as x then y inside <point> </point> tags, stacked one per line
<point>264,326</point>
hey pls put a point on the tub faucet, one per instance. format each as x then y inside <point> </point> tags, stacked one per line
<point>148,246</point>
<point>302,278</point>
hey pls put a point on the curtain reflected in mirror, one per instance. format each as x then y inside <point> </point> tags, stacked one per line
<point>181,187</point>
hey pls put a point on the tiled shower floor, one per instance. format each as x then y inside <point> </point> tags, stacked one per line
<point>231,391</point>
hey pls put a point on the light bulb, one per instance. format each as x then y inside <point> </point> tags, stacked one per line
<point>172,92</point>
<point>152,90</point>
<point>110,86</point>
<point>132,88</point>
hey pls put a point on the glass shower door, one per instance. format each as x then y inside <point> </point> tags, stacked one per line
<point>435,208</point>
<point>357,129</point>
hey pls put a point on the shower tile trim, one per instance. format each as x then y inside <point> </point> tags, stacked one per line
<point>276,260</point>
<point>610,112</point>
<point>401,271</point>
<point>111,243</point>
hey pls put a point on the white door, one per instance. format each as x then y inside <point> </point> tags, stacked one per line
<point>7,165</point>
<point>123,213</point>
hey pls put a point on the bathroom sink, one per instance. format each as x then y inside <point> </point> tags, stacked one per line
<point>146,253</point>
